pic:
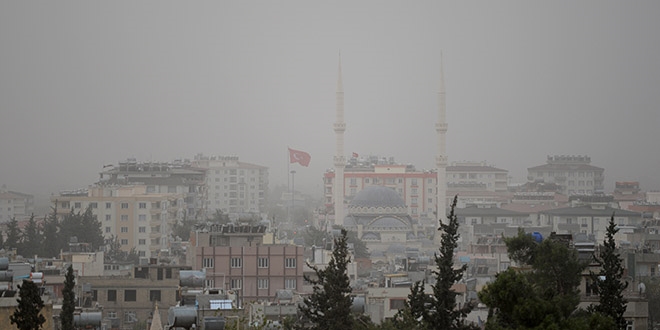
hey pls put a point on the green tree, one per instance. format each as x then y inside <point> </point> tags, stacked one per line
<point>607,282</point>
<point>329,305</point>
<point>443,311</point>
<point>541,294</point>
<point>439,310</point>
<point>91,229</point>
<point>51,246</point>
<point>360,249</point>
<point>13,234</point>
<point>27,316</point>
<point>183,227</point>
<point>220,217</point>
<point>68,304</point>
<point>31,242</point>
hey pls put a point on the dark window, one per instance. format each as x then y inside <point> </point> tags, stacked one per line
<point>397,303</point>
<point>130,295</point>
<point>154,295</point>
<point>112,295</point>
<point>159,274</point>
<point>95,295</point>
<point>168,273</point>
<point>142,272</point>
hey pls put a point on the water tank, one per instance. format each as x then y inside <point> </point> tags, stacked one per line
<point>6,275</point>
<point>87,319</point>
<point>537,237</point>
<point>214,323</point>
<point>191,278</point>
<point>182,316</point>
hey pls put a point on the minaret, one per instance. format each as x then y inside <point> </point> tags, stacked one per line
<point>339,159</point>
<point>441,157</point>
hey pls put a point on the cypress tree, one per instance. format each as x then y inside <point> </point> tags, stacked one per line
<point>27,315</point>
<point>69,302</point>
<point>608,281</point>
<point>329,306</point>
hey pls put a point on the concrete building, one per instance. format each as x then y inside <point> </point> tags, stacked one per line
<point>138,219</point>
<point>177,177</point>
<point>127,301</point>
<point>470,176</point>
<point>573,174</point>
<point>15,204</point>
<point>233,186</point>
<point>589,219</point>
<point>235,258</point>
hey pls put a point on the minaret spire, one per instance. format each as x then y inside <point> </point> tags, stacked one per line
<point>339,158</point>
<point>441,157</point>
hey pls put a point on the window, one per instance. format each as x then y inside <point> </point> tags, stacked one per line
<point>112,295</point>
<point>94,205</point>
<point>108,229</point>
<point>154,295</point>
<point>124,229</point>
<point>76,205</point>
<point>290,283</point>
<point>142,241</point>
<point>236,283</point>
<point>65,205</point>
<point>207,263</point>
<point>124,242</point>
<point>262,283</point>
<point>142,229</point>
<point>290,262</point>
<point>142,254</point>
<point>130,295</point>
<point>397,304</point>
<point>130,317</point>
<point>124,205</point>
<point>236,262</point>
<point>262,262</point>
<point>142,205</point>
<point>108,217</point>
<point>171,189</point>
<point>124,217</point>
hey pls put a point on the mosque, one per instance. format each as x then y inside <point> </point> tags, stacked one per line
<point>378,212</point>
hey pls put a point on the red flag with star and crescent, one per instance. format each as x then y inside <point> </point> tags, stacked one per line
<point>300,157</point>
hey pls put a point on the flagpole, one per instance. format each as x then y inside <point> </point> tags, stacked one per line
<point>288,179</point>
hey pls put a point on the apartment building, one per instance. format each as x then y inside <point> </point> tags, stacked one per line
<point>572,174</point>
<point>15,204</point>
<point>235,258</point>
<point>233,186</point>
<point>138,219</point>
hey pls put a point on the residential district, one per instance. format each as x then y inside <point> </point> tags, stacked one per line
<point>212,244</point>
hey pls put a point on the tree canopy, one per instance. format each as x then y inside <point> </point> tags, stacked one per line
<point>27,316</point>
<point>329,305</point>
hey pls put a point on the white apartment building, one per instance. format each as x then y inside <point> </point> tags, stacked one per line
<point>138,219</point>
<point>15,204</point>
<point>232,186</point>
<point>573,174</point>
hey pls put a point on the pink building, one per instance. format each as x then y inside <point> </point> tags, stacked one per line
<point>235,258</point>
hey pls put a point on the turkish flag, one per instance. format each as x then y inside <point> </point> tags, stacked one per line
<point>300,157</point>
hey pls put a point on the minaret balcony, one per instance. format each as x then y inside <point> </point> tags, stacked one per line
<point>441,127</point>
<point>339,127</point>
<point>441,161</point>
<point>339,161</point>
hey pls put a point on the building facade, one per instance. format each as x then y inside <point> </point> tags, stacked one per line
<point>15,204</point>
<point>572,174</point>
<point>235,258</point>
<point>136,218</point>
<point>233,186</point>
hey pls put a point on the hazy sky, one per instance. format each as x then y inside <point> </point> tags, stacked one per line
<point>83,84</point>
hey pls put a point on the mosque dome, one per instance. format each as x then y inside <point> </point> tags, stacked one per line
<point>377,200</point>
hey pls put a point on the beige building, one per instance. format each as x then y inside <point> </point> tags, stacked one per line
<point>138,219</point>
<point>15,204</point>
